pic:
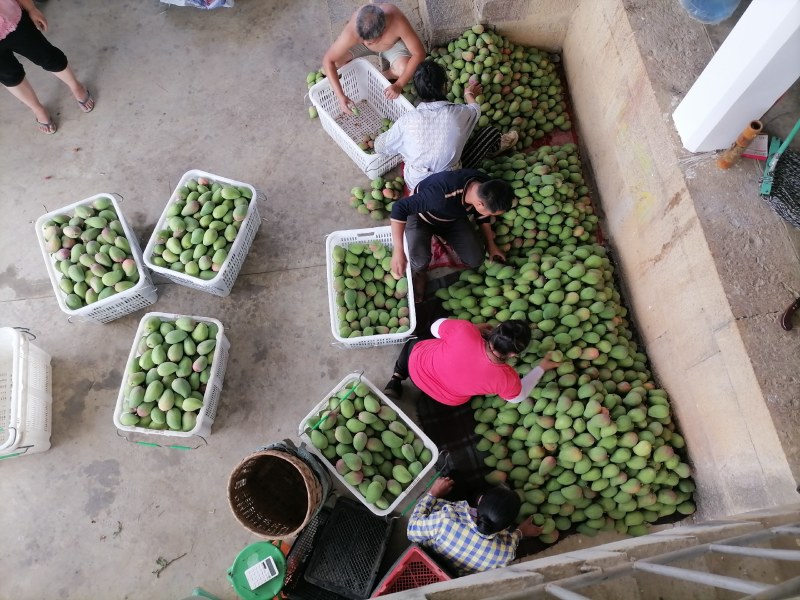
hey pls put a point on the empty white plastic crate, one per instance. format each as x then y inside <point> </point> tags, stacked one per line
<point>25,395</point>
<point>222,284</point>
<point>140,296</point>
<point>360,81</point>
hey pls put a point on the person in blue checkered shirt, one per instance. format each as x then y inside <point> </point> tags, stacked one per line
<point>469,540</point>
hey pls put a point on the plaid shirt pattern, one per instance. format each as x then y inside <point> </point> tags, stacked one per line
<point>448,529</point>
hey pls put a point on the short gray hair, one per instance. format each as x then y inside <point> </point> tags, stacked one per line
<point>370,22</point>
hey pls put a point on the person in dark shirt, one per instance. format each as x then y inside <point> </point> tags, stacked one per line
<point>442,205</point>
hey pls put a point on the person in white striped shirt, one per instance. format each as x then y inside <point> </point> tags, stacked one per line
<point>436,136</point>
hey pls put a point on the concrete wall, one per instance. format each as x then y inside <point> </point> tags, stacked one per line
<point>676,235</point>
<point>680,305</point>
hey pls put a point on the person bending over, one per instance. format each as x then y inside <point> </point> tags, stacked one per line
<point>469,540</point>
<point>442,206</point>
<point>383,30</point>
<point>465,360</point>
<point>437,136</point>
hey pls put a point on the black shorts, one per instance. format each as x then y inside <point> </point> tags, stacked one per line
<point>29,42</point>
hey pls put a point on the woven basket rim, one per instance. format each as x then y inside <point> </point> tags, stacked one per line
<point>312,485</point>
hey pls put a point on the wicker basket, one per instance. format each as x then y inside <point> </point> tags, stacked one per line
<point>274,494</point>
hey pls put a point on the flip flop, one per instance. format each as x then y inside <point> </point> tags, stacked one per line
<point>47,128</point>
<point>786,317</point>
<point>87,105</point>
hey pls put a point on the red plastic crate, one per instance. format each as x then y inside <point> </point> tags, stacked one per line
<point>412,570</point>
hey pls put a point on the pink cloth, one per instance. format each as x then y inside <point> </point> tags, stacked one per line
<point>10,14</point>
<point>455,367</point>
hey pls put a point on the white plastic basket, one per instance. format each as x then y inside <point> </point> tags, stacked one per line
<point>205,417</point>
<point>360,81</point>
<point>140,296</point>
<point>222,284</point>
<point>365,236</point>
<point>303,432</point>
<point>25,396</point>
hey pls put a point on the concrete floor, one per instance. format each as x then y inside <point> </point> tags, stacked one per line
<point>176,89</point>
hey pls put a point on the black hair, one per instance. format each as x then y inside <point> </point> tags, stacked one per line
<point>370,22</point>
<point>497,510</point>
<point>430,80</point>
<point>510,337</point>
<point>496,195</point>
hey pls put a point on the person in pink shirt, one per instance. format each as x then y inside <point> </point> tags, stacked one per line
<point>465,360</point>
<point>21,32</point>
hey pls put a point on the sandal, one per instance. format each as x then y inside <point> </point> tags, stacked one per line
<point>49,128</point>
<point>87,105</point>
<point>786,317</point>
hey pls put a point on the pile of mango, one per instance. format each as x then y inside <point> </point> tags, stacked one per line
<point>521,86</point>
<point>166,380</point>
<point>201,226</point>
<point>92,255</point>
<point>377,201</point>
<point>368,444</point>
<point>552,203</point>
<point>595,446</point>
<point>369,301</point>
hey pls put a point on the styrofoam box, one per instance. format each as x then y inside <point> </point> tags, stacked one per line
<point>206,415</point>
<point>304,434</point>
<point>25,395</point>
<point>360,81</point>
<point>365,236</point>
<point>141,295</point>
<point>222,284</point>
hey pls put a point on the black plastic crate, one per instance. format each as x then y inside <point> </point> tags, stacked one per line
<point>295,586</point>
<point>348,552</point>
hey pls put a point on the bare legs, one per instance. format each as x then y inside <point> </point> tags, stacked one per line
<point>25,93</point>
<point>77,88</point>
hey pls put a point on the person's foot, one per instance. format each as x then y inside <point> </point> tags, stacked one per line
<point>394,389</point>
<point>47,127</point>
<point>87,104</point>
<point>508,140</point>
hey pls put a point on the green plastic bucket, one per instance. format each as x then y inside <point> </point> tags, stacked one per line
<point>251,556</point>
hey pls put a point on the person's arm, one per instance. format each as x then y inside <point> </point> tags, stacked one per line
<point>472,90</point>
<point>491,248</point>
<point>425,521</point>
<point>35,14</point>
<point>339,50</point>
<point>410,38</point>
<point>399,259</point>
<point>530,380</point>
<point>527,529</point>
<point>390,142</point>
<point>435,327</point>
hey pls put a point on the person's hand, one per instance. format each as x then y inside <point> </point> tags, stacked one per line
<point>393,91</point>
<point>38,19</point>
<point>546,364</point>
<point>528,529</point>
<point>399,263</point>
<point>441,487</point>
<point>346,104</point>
<point>495,253</point>
<point>474,88</point>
